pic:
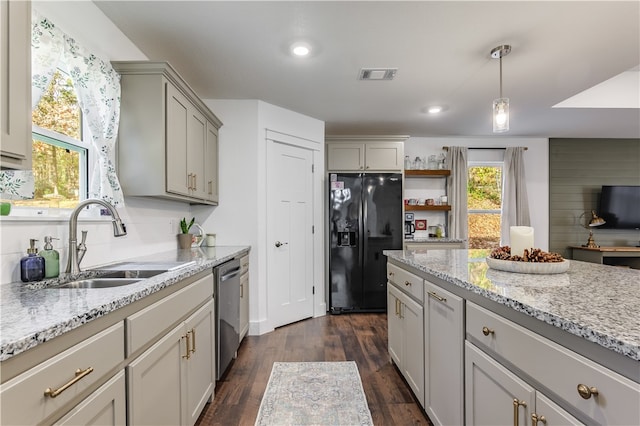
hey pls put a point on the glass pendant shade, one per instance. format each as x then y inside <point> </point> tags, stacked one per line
<point>500,115</point>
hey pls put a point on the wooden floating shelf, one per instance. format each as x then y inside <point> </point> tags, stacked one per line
<point>409,208</point>
<point>426,173</point>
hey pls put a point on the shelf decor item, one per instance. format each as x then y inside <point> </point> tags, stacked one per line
<point>594,222</point>
<point>185,238</point>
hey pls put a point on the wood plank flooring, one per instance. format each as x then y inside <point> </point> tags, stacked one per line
<point>350,337</point>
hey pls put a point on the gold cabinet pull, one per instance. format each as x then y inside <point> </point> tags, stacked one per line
<point>397,309</point>
<point>586,391</point>
<point>516,408</point>
<point>535,419</point>
<point>407,283</point>
<point>210,187</point>
<point>437,297</point>
<point>52,393</point>
<point>390,273</point>
<point>195,182</point>
<point>193,340</point>
<point>186,337</point>
<point>487,331</point>
<point>241,291</point>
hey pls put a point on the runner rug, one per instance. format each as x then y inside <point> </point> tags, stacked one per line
<point>314,393</point>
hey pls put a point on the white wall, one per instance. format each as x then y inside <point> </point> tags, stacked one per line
<point>241,215</point>
<point>536,160</point>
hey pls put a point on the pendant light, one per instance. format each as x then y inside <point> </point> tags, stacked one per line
<point>500,105</point>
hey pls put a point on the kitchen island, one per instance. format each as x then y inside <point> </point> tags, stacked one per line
<point>533,330</point>
<point>149,328</point>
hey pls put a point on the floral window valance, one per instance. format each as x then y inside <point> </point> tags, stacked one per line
<point>98,88</point>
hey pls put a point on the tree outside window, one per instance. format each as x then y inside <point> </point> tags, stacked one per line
<point>59,154</point>
<point>484,198</point>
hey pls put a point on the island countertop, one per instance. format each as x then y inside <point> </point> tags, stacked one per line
<point>596,302</point>
<point>33,313</point>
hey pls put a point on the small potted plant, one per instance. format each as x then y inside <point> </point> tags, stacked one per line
<point>185,238</point>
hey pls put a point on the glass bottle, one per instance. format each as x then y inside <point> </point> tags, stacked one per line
<point>32,265</point>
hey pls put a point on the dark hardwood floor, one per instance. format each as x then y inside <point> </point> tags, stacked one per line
<point>358,337</point>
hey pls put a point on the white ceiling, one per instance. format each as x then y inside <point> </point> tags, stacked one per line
<point>240,50</point>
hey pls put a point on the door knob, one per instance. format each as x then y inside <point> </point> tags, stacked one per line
<point>278,244</point>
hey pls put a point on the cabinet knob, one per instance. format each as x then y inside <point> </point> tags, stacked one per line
<point>407,283</point>
<point>536,418</point>
<point>586,391</point>
<point>487,331</point>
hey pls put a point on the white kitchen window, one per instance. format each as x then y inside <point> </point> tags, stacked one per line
<point>484,199</point>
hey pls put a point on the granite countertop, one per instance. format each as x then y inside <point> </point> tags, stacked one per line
<point>33,313</point>
<point>596,302</point>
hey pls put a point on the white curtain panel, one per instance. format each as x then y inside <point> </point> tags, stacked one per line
<point>457,192</point>
<point>98,88</point>
<point>515,203</point>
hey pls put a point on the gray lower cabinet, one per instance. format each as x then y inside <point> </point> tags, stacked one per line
<point>443,355</point>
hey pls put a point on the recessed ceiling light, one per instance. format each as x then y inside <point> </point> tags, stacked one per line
<point>300,49</point>
<point>434,109</point>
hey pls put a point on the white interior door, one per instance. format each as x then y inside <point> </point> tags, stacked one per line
<point>289,233</point>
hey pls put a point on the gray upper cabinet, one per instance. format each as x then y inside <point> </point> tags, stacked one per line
<point>15,84</point>
<point>365,153</point>
<point>168,138</point>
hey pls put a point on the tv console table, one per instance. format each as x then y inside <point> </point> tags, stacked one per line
<point>622,256</point>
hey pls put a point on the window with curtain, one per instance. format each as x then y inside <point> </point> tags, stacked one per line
<point>76,111</point>
<point>484,199</point>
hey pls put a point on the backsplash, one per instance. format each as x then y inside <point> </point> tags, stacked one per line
<point>152,226</point>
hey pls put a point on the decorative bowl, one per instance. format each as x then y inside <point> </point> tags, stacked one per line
<point>528,267</point>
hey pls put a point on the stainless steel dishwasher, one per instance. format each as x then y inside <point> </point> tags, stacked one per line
<point>227,299</point>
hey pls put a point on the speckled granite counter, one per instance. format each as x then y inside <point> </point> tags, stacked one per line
<point>31,314</point>
<point>596,302</point>
<point>435,240</point>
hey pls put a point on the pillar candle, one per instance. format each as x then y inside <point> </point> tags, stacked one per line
<point>521,237</point>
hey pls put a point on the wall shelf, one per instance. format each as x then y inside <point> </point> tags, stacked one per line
<point>409,208</point>
<point>427,173</point>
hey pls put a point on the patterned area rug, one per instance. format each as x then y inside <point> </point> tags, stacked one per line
<point>314,393</point>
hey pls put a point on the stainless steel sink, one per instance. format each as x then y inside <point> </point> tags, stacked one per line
<point>99,283</point>
<point>131,274</point>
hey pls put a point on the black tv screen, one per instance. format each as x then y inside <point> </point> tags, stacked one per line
<point>620,206</point>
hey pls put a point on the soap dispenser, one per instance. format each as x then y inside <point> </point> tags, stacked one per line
<point>51,259</point>
<point>32,265</point>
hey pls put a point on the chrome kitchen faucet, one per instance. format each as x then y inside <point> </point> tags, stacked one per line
<point>77,251</point>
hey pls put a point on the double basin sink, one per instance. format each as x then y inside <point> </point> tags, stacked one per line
<point>124,274</point>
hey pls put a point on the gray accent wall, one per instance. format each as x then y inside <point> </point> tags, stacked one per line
<point>577,170</point>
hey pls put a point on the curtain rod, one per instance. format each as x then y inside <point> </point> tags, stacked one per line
<point>446,148</point>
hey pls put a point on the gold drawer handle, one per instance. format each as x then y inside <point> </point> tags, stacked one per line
<point>438,297</point>
<point>407,283</point>
<point>516,409</point>
<point>487,331</point>
<point>535,419</point>
<point>193,344</point>
<point>79,375</point>
<point>186,345</point>
<point>586,391</point>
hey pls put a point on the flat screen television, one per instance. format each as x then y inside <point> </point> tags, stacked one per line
<point>620,206</point>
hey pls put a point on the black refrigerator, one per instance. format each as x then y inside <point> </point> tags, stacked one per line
<point>365,218</point>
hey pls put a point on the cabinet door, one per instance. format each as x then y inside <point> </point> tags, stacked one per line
<point>345,156</point>
<point>490,391</point>
<point>444,361</point>
<point>105,406</point>
<point>156,381</point>
<point>244,305</point>
<point>550,414</point>
<point>196,142</point>
<point>200,363</point>
<point>384,156</point>
<point>394,325</point>
<point>413,351</point>
<point>177,124</point>
<point>15,84</point>
<point>211,163</point>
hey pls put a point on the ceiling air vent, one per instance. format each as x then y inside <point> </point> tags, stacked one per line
<point>377,73</point>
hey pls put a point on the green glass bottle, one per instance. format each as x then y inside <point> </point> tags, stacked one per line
<point>51,259</point>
